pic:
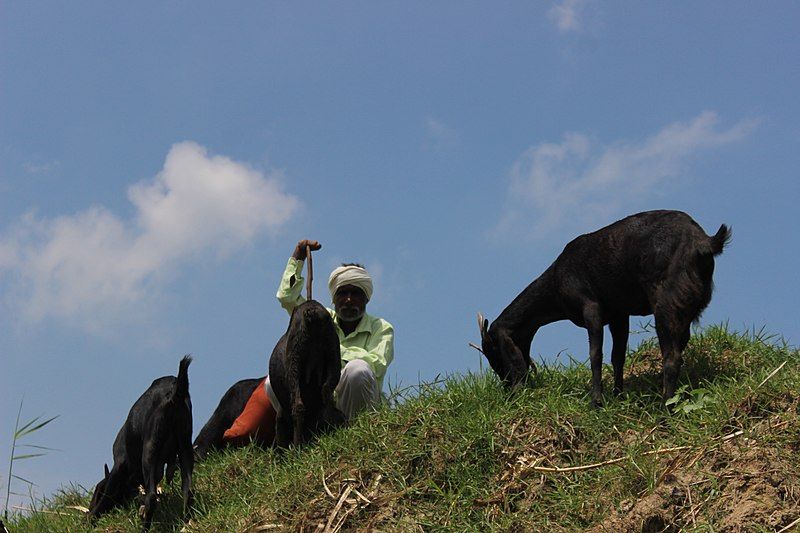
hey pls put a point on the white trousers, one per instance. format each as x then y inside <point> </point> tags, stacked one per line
<point>356,392</point>
<point>357,389</point>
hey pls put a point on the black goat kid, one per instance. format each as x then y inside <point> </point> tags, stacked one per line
<point>656,262</point>
<point>158,429</point>
<point>304,371</point>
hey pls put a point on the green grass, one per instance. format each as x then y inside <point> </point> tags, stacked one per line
<point>461,455</point>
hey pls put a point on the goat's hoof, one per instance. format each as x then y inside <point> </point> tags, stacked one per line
<point>597,403</point>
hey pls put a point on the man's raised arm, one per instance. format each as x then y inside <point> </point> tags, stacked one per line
<point>291,285</point>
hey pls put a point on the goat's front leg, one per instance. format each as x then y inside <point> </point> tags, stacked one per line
<point>672,338</point>
<point>299,420</point>
<point>594,325</point>
<point>283,431</point>
<point>619,334</point>
<point>333,374</point>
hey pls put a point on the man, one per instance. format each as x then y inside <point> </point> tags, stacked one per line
<point>366,343</point>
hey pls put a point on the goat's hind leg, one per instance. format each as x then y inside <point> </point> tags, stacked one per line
<point>152,471</point>
<point>620,329</point>
<point>186,457</point>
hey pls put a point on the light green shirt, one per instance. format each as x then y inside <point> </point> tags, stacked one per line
<point>372,341</point>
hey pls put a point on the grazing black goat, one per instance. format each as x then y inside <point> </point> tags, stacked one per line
<point>656,262</point>
<point>304,371</point>
<point>230,407</point>
<point>158,429</point>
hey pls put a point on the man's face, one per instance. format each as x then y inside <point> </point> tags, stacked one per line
<point>350,303</point>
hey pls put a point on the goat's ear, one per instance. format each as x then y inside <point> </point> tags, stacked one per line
<point>105,470</point>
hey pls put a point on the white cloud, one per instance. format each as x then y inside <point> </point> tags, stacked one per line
<point>439,136</point>
<point>580,181</point>
<point>40,168</point>
<point>93,264</point>
<point>567,15</point>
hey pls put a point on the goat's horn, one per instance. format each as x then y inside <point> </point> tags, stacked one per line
<point>481,322</point>
<point>476,347</point>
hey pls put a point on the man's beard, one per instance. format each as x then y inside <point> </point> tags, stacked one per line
<point>351,314</point>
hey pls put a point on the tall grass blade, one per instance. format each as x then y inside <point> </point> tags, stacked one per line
<point>38,447</point>
<point>28,430</point>
<point>27,456</point>
<point>23,479</point>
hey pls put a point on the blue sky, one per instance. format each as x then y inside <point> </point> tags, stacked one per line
<point>159,164</point>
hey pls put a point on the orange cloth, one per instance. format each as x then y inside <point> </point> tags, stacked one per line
<point>257,420</point>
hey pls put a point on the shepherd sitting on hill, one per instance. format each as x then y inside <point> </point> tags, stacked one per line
<point>366,343</point>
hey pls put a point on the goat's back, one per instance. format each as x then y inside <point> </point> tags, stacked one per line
<point>229,408</point>
<point>162,413</point>
<point>633,262</point>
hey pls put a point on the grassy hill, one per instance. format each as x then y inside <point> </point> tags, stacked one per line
<point>465,455</point>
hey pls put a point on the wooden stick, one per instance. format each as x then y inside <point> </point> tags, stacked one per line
<point>310,273</point>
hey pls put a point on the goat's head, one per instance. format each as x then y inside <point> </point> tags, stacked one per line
<point>503,354</point>
<point>109,492</point>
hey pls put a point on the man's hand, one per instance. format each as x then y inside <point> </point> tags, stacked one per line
<point>300,249</point>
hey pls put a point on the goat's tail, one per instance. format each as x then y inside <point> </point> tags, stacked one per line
<point>721,239</point>
<point>182,384</point>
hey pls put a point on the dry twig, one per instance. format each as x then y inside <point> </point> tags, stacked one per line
<point>373,492</point>
<point>45,511</point>
<point>338,507</point>
<point>325,485</point>
<point>790,526</point>
<point>592,466</point>
<point>557,469</point>
<point>770,375</point>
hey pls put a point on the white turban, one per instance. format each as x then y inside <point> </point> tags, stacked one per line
<point>350,275</point>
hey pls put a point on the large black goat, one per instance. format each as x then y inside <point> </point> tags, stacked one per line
<point>230,407</point>
<point>304,371</point>
<point>158,429</point>
<point>656,262</point>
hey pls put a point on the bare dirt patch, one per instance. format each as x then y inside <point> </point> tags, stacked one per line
<point>739,486</point>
